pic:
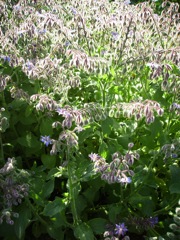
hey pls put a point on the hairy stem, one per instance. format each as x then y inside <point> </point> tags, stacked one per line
<point>72,191</point>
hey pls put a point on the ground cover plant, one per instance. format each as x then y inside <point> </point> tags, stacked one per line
<point>89,120</point>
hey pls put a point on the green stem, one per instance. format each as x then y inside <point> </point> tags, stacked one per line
<point>85,35</point>
<point>35,213</point>
<point>169,207</point>
<point>2,151</point>
<point>103,90</point>
<point>153,232</point>
<point>72,191</point>
<point>124,41</point>
<point>162,44</point>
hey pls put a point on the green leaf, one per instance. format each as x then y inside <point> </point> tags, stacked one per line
<point>175,179</point>
<point>22,222</point>
<point>52,208</point>
<point>114,210</point>
<point>84,171</point>
<point>54,172</point>
<point>107,126</point>
<point>103,150</point>
<point>141,202</point>
<point>48,188</point>
<point>83,232</point>
<point>85,134</point>
<point>48,161</point>
<point>59,219</point>
<point>37,229</point>
<point>57,233</point>
<point>98,225</point>
<point>81,204</point>
<point>92,191</point>
<point>29,140</point>
<point>46,126</point>
<point>28,111</point>
<point>156,127</point>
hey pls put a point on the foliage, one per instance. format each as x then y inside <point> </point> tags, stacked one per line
<point>89,119</point>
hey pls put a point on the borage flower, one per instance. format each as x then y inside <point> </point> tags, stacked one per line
<point>46,140</point>
<point>120,229</point>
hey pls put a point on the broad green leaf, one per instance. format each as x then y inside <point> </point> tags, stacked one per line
<point>48,188</point>
<point>103,150</point>
<point>48,161</point>
<point>84,171</point>
<point>98,225</point>
<point>59,219</point>
<point>57,234</point>
<point>83,232</point>
<point>85,134</point>
<point>156,127</point>
<point>52,208</point>
<point>175,179</point>
<point>107,126</point>
<point>23,221</point>
<point>81,204</point>
<point>46,126</point>
<point>37,229</point>
<point>141,202</point>
<point>29,141</point>
<point>113,211</point>
<point>54,172</point>
<point>28,111</point>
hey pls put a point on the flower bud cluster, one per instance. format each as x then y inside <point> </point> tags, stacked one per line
<point>3,82</point>
<point>143,223</point>
<point>116,232</point>
<point>175,227</point>
<point>171,151</point>
<point>18,93</point>
<point>88,63</point>
<point>7,215</point>
<point>79,117</point>
<point>42,68</point>
<point>175,107</point>
<point>118,170</point>
<point>95,112</point>
<point>12,190</point>
<point>4,123</point>
<point>138,110</point>
<point>44,102</point>
<point>159,69</point>
<point>71,115</point>
<point>66,138</point>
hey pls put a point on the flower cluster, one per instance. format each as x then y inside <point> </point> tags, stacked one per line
<point>71,115</point>
<point>175,107</point>
<point>124,27</point>
<point>88,63</point>
<point>143,223</point>
<point>66,138</point>
<point>118,171</point>
<point>171,151</point>
<point>18,93</point>
<point>7,216</point>
<point>138,110</point>
<point>44,102</point>
<point>12,190</point>
<point>175,227</point>
<point>116,232</point>
<point>4,123</point>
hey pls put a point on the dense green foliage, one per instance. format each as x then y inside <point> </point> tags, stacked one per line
<point>89,120</point>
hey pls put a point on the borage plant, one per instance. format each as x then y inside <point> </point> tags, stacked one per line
<point>89,119</point>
